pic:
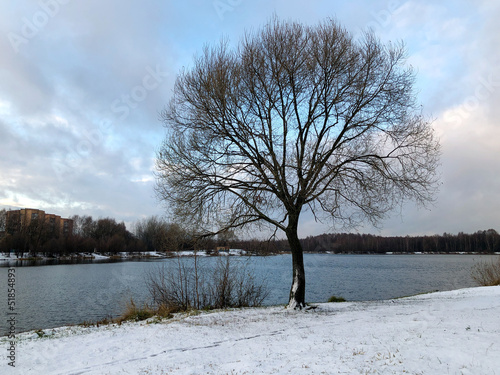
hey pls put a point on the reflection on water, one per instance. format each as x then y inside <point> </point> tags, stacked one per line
<point>60,293</point>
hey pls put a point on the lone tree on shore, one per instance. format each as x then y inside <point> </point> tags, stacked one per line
<point>295,118</point>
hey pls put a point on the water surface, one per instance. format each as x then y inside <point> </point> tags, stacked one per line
<point>54,295</point>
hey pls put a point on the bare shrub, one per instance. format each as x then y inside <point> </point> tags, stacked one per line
<point>171,287</point>
<point>193,284</point>
<point>233,286</point>
<point>487,273</point>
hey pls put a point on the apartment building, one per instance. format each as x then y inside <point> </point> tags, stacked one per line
<point>16,220</point>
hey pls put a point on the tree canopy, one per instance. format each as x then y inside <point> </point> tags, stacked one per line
<point>295,118</point>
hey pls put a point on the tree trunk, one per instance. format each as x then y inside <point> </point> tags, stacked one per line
<point>298,289</point>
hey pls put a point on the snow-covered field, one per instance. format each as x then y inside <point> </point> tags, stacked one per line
<point>455,332</point>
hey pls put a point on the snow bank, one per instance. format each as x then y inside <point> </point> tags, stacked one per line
<point>187,253</point>
<point>203,253</point>
<point>99,256</point>
<point>455,332</point>
<point>237,252</point>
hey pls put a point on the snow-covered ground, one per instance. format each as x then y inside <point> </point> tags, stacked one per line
<point>455,332</point>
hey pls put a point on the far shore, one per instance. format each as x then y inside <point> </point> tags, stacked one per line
<point>6,260</point>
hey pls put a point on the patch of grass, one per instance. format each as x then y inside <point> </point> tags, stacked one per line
<point>136,314</point>
<point>164,311</point>
<point>40,333</point>
<point>336,299</point>
<point>105,321</point>
<point>133,313</point>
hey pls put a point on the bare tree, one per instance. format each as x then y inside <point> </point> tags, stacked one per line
<point>3,232</point>
<point>295,118</point>
<point>83,226</point>
<point>3,219</point>
<point>159,235</point>
<point>149,231</point>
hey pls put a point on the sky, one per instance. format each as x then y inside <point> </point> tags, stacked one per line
<point>82,84</point>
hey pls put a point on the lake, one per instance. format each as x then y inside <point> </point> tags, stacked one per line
<point>49,296</point>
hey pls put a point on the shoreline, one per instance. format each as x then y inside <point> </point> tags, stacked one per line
<point>85,257</point>
<point>119,256</point>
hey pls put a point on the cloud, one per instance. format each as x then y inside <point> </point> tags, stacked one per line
<point>81,91</point>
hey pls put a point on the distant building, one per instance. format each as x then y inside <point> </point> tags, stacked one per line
<point>16,220</point>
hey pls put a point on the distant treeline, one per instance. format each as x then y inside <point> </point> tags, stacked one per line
<point>89,235</point>
<point>107,236</point>
<point>103,235</point>
<point>487,241</point>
